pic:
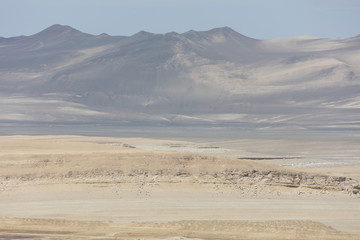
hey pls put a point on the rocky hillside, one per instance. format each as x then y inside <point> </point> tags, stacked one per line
<point>63,76</point>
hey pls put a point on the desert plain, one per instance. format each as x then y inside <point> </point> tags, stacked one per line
<point>77,187</point>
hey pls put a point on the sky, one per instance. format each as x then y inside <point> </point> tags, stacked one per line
<point>261,19</point>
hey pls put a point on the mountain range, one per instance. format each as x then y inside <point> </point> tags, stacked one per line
<point>209,78</point>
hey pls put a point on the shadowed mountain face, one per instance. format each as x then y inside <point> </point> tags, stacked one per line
<point>216,77</point>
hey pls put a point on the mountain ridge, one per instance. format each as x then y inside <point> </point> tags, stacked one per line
<point>202,75</point>
<point>63,28</point>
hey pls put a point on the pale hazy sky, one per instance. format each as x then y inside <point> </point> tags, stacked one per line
<point>262,19</point>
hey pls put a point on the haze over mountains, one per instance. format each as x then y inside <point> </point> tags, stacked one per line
<point>217,78</point>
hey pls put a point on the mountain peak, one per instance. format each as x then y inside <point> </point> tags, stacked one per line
<point>222,30</point>
<point>57,27</point>
<point>228,32</point>
<point>57,35</point>
<point>143,34</point>
<point>218,35</point>
<point>57,30</point>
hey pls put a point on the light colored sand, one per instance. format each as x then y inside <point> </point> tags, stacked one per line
<point>86,187</point>
<point>352,171</point>
<point>59,229</point>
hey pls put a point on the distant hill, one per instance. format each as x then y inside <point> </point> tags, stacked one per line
<point>216,77</point>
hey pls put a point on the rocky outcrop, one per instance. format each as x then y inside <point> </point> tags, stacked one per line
<point>239,178</point>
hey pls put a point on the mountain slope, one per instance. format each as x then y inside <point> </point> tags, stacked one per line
<point>210,77</point>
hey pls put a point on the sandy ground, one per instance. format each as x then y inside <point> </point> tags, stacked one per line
<point>73,187</point>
